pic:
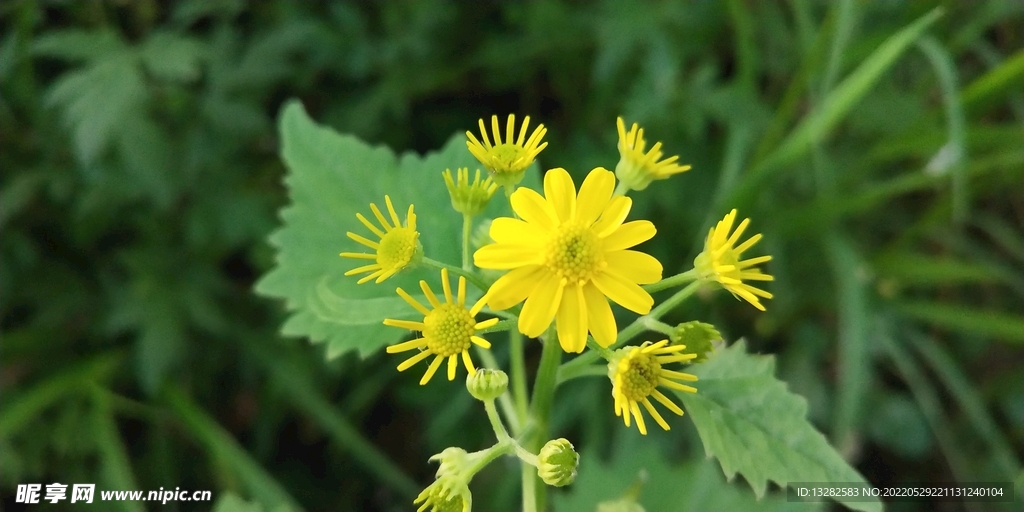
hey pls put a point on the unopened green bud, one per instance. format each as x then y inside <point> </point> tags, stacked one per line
<point>469,198</point>
<point>487,384</point>
<point>697,337</point>
<point>452,461</point>
<point>557,463</point>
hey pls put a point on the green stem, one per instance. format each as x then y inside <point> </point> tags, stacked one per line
<point>621,189</point>
<point>540,414</point>
<point>485,457</point>
<point>529,475</point>
<point>669,282</point>
<point>514,422</point>
<point>518,362</point>
<point>566,374</point>
<point>496,424</point>
<point>661,327</point>
<point>467,227</point>
<point>503,325</point>
<point>634,329</point>
<point>470,276</point>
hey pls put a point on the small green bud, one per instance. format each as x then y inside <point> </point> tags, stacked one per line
<point>697,337</point>
<point>557,463</point>
<point>469,198</point>
<point>452,461</point>
<point>487,384</point>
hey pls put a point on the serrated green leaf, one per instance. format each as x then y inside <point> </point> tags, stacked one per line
<point>77,44</point>
<point>694,486</point>
<point>332,177</point>
<point>170,56</point>
<point>97,99</point>
<point>755,426</point>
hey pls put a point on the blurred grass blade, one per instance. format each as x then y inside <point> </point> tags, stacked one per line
<point>303,395</point>
<point>994,324</point>
<point>953,155</point>
<point>970,401</point>
<point>911,268</point>
<point>21,408</point>
<point>819,123</point>
<point>1011,240</point>
<point>116,469</point>
<point>225,448</point>
<point>997,84</point>
<point>927,398</point>
<point>854,358</point>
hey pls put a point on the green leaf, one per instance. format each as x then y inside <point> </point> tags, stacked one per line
<point>755,426</point>
<point>693,486</point>
<point>912,268</point>
<point>330,178</point>
<point>994,324</point>
<point>170,56</point>
<point>77,44</point>
<point>97,99</point>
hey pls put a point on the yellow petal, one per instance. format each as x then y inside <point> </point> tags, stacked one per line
<point>571,321</point>
<point>560,193</point>
<point>506,230</point>
<point>407,345</point>
<point>613,215</point>
<point>510,289</point>
<point>531,207</point>
<point>654,414</point>
<point>434,365</point>
<point>666,402</point>
<point>595,192</point>
<point>506,256</point>
<point>600,316</point>
<point>624,293</point>
<point>633,406</point>
<point>408,363</point>
<point>629,234</point>
<point>635,266</point>
<point>453,364</point>
<point>540,307</point>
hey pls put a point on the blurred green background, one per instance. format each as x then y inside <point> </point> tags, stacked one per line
<point>139,179</point>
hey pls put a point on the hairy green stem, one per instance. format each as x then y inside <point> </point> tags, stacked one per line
<point>518,362</point>
<point>496,424</point>
<point>467,227</point>
<point>669,282</point>
<point>514,422</point>
<point>470,276</point>
<point>540,410</point>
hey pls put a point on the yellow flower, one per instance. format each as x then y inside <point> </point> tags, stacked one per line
<point>445,495</point>
<point>638,169</point>
<point>720,261</point>
<point>399,245</point>
<point>448,329</point>
<point>636,372</point>
<point>507,161</point>
<point>567,255</point>
<point>468,198</point>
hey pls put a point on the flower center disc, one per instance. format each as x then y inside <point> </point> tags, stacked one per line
<point>396,248</point>
<point>506,155</point>
<point>641,377</point>
<point>573,253</point>
<point>448,330</point>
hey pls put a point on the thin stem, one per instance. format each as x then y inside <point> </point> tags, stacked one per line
<point>565,374</point>
<point>543,396</point>
<point>496,424</point>
<point>470,276</point>
<point>529,475</point>
<point>669,282</point>
<point>467,227</point>
<point>659,326</point>
<point>504,400</point>
<point>639,325</point>
<point>503,325</point>
<point>621,189</point>
<point>488,455</point>
<point>518,362</point>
